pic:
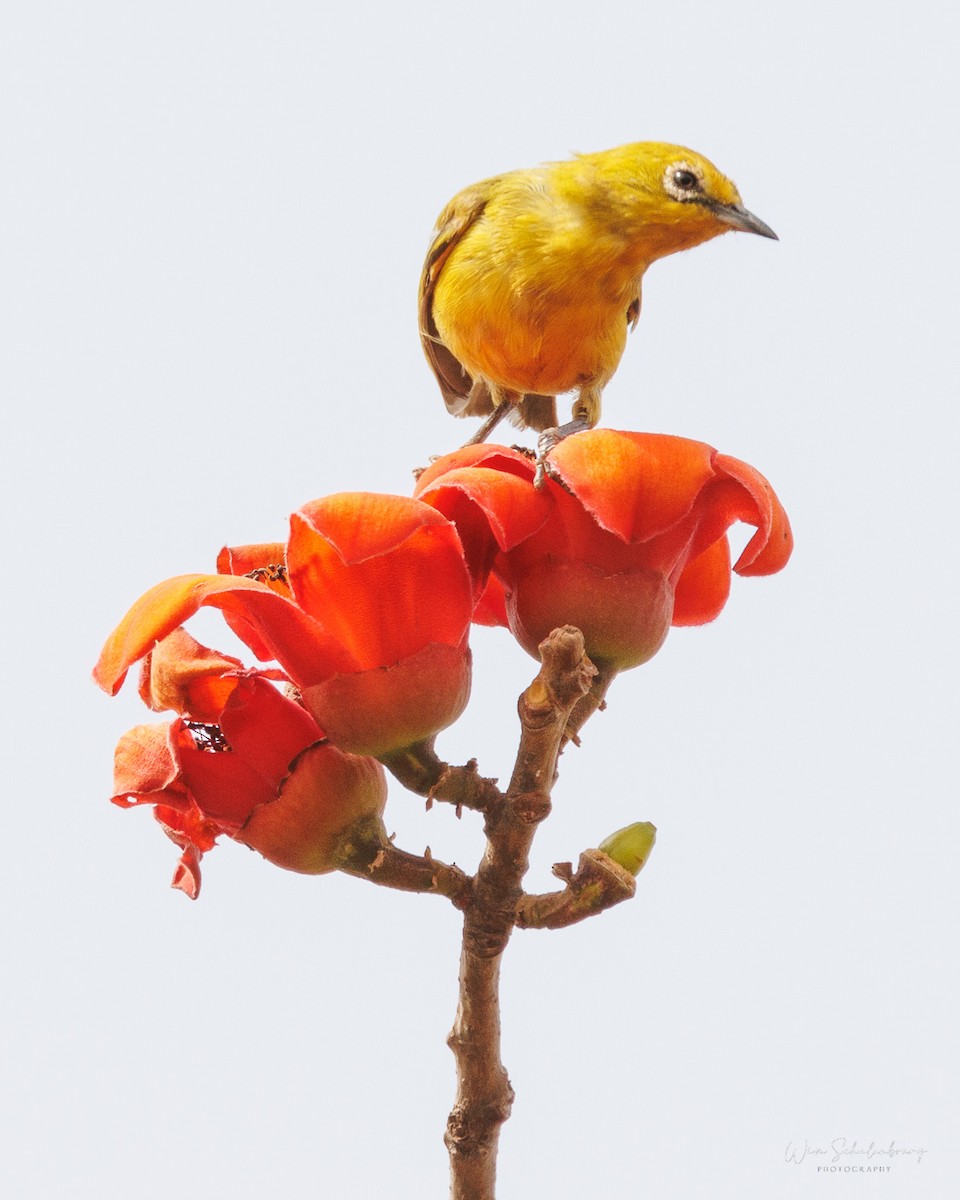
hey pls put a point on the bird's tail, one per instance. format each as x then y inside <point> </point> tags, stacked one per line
<point>535,412</point>
<point>530,411</point>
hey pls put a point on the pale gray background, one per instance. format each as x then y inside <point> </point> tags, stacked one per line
<point>212,224</point>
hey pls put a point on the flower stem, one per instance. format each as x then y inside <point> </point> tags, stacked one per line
<point>366,852</point>
<point>420,771</point>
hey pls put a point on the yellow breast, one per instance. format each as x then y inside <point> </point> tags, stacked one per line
<point>535,296</point>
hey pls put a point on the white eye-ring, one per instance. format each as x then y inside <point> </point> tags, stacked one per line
<point>682,182</point>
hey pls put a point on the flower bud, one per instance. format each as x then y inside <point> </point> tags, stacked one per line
<point>630,846</point>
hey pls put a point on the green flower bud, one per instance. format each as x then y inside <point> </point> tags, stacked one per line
<point>630,846</point>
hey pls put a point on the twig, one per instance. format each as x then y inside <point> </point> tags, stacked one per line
<point>599,883</point>
<point>420,771</point>
<point>366,852</point>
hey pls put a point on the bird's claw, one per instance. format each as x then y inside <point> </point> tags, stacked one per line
<point>548,440</point>
<point>544,468</point>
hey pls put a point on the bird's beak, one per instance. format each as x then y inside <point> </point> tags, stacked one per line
<point>737,217</point>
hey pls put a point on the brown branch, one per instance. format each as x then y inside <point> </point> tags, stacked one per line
<point>484,1095</point>
<point>420,771</point>
<point>366,852</point>
<point>599,884</point>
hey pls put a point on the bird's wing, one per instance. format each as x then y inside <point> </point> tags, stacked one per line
<point>455,220</point>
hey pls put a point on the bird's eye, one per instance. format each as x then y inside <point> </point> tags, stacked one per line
<point>685,180</point>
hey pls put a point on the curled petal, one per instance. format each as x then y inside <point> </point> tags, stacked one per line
<point>266,563</point>
<point>194,835</point>
<point>298,643</point>
<point>365,525</point>
<point>186,878</point>
<point>492,510</point>
<point>771,546</point>
<point>146,772</point>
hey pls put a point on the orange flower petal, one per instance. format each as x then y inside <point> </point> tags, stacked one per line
<point>194,835</point>
<point>241,560</point>
<point>501,459</point>
<point>145,769</point>
<point>186,878</point>
<point>771,546</point>
<point>514,509</point>
<point>704,585</point>
<point>179,674</point>
<point>264,562</point>
<point>491,607</point>
<point>226,787</point>
<point>287,634</point>
<point>265,732</point>
<point>188,824</point>
<point>636,485</point>
<point>385,575</point>
<point>266,727</point>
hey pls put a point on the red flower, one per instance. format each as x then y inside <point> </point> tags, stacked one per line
<point>367,610</point>
<point>627,537</point>
<point>241,759</point>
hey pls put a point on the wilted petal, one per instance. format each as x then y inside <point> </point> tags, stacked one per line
<point>186,878</point>
<point>194,835</point>
<point>265,732</point>
<point>145,769</point>
<point>179,674</point>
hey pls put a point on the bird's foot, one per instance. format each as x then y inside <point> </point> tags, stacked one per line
<point>418,471</point>
<point>548,440</point>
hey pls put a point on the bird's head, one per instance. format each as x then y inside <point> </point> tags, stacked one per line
<point>671,197</point>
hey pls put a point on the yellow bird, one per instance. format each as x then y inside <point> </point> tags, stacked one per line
<point>533,277</point>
